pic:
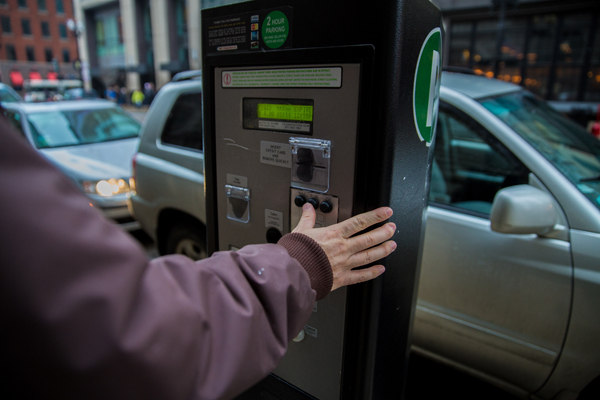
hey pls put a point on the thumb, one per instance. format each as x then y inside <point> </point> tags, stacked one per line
<point>307,221</point>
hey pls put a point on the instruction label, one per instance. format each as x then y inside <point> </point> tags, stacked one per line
<point>284,126</point>
<point>310,330</point>
<point>274,219</point>
<point>273,153</point>
<point>301,77</point>
<point>237,180</point>
<point>259,30</point>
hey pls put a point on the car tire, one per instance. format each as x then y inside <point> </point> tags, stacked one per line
<point>188,240</point>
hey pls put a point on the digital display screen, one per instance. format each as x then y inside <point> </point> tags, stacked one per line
<point>279,115</point>
<point>286,112</point>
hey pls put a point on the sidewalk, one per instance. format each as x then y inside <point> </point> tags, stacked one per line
<point>132,108</point>
<point>138,113</point>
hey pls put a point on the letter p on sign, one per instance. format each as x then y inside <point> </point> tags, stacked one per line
<point>426,89</point>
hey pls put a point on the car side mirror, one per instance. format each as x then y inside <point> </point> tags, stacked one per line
<point>523,209</point>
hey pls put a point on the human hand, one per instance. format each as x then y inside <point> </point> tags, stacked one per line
<point>346,252</point>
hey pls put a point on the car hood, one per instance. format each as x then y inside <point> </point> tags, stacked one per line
<point>95,161</point>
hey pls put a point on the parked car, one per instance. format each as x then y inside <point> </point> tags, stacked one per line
<point>8,94</point>
<point>510,278</point>
<point>42,90</point>
<point>509,286</point>
<point>91,141</point>
<point>80,94</point>
<point>167,195</point>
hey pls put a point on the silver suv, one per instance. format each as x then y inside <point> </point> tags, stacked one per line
<point>167,196</point>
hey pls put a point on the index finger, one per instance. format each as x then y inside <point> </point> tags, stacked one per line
<point>361,222</point>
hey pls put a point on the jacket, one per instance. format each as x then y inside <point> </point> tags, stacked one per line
<point>85,314</point>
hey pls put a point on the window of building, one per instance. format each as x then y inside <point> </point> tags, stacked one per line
<point>5,22</point>
<point>62,31</point>
<point>22,3</point>
<point>592,79</point>
<point>66,56</point>
<point>11,54</point>
<point>30,51</point>
<point>461,45</point>
<point>570,55</point>
<point>554,55</point>
<point>45,29</point>
<point>148,34</point>
<point>109,38</point>
<point>182,36</point>
<point>60,8</point>
<point>184,124</point>
<point>484,55</point>
<point>48,55</point>
<point>42,5</point>
<point>511,55</point>
<point>26,26</point>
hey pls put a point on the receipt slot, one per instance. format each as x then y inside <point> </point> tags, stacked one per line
<point>331,103</point>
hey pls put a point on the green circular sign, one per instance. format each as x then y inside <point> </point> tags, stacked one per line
<point>275,29</point>
<point>426,89</point>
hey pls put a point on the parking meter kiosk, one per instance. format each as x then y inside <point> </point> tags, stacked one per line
<point>331,103</point>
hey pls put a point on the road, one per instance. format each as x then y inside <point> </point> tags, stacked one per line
<point>426,379</point>
<point>137,113</point>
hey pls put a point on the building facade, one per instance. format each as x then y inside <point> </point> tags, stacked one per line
<point>552,48</point>
<point>36,42</point>
<point>138,44</point>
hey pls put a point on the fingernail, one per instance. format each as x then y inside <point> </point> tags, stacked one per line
<point>394,246</point>
<point>389,212</point>
<point>381,269</point>
<point>306,207</point>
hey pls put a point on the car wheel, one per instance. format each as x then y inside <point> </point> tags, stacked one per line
<point>187,239</point>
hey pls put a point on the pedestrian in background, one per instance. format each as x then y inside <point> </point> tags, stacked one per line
<point>149,92</point>
<point>124,95</point>
<point>137,98</point>
<point>111,94</point>
<point>120,96</point>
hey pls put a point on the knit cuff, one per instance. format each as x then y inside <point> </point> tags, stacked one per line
<point>313,259</point>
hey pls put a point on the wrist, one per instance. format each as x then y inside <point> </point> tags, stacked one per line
<point>313,259</point>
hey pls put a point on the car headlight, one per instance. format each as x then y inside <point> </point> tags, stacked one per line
<point>106,187</point>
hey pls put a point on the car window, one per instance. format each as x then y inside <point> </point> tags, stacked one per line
<point>184,124</point>
<point>470,166</point>
<point>8,97</point>
<point>74,127</point>
<point>572,150</point>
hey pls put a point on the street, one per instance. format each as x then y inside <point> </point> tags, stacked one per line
<point>137,113</point>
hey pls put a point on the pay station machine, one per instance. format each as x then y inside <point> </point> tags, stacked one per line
<point>333,103</point>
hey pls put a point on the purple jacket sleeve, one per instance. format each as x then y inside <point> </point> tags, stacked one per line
<point>85,314</point>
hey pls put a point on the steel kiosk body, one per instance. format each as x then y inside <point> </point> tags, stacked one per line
<point>313,101</point>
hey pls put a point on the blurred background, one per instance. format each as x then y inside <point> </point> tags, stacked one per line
<point>551,48</point>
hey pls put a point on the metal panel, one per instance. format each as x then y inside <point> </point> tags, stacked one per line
<point>315,363</point>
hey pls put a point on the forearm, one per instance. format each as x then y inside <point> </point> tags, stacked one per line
<point>85,314</point>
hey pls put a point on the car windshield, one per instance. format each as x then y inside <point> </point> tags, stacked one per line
<point>572,150</point>
<point>75,127</point>
<point>6,96</point>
